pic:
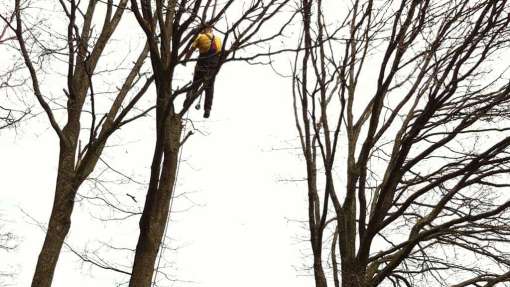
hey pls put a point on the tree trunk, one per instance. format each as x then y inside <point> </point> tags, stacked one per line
<point>60,219</point>
<point>157,203</point>
<point>352,275</point>
<point>318,272</point>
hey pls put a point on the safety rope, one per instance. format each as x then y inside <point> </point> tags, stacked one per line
<point>161,249</point>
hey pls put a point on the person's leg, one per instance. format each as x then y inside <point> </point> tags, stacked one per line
<point>198,76</point>
<point>209,87</point>
<point>209,94</point>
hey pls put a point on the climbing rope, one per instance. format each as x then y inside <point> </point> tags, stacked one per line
<point>161,249</point>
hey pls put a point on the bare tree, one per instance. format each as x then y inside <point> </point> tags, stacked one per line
<point>9,115</point>
<point>402,112</point>
<point>91,117</point>
<point>169,28</point>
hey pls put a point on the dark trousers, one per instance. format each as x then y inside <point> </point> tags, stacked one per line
<point>205,74</point>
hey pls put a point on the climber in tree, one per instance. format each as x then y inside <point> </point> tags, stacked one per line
<point>209,47</point>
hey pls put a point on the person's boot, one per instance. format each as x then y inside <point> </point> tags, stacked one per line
<point>207,113</point>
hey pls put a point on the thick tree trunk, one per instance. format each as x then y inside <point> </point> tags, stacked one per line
<point>58,227</point>
<point>60,219</point>
<point>352,280</point>
<point>157,203</point>
<point>352,275</point>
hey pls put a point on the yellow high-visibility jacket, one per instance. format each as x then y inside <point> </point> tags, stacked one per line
<point>203,43</point>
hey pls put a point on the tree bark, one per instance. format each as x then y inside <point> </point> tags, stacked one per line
<point>318,272</point>
<point>73,167</point>
<point>351,277</point>
<point>63,203</point>
<point>157,204</point>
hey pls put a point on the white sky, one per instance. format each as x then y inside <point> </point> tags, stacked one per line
<point>239,232</point>
<point>241,177</point>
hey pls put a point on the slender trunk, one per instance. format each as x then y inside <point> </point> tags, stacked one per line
<point>316,231</point>
<point>157,204</point>
<point>60,219</point>
<point>314,224</point>
<point>318,272</point>
<point>347,234</point>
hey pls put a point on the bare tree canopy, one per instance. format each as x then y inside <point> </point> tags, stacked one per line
<point>412,163</point>
<point>401,108</point>
<point>10,114</point>
<point>170,27</point>
<point>74,50</point>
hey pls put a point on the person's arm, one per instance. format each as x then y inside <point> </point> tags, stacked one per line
<point>190,51</point>
<point>188,55</point>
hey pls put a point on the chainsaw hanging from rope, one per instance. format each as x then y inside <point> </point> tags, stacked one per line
<point>206,68</point>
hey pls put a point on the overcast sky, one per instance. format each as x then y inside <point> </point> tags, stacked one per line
<point>239,215</point>
<point>241,176</point>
